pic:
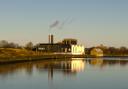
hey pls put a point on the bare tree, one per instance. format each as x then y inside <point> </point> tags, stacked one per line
<point>13,45</point>
<point>29,45</point>
<point>3,43</point>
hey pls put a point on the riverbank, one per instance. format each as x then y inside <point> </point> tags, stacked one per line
<point>9,55</point>
<point>38,57</point>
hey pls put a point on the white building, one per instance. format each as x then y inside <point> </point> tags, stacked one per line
<point>77,49</point>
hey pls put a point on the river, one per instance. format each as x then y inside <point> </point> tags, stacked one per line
<point>76,73</point>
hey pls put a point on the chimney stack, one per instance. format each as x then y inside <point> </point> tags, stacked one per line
<point>51,39</point>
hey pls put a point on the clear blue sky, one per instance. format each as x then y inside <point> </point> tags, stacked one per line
<point>92,22</point>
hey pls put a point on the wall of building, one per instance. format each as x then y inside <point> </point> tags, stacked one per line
<point>77,50</point>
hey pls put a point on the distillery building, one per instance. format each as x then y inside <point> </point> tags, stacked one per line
<point>66,46</point>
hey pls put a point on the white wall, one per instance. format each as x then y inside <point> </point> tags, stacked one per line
<point>77,49</point>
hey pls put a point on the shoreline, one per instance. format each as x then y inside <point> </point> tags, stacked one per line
<point>37,57</point>
<point>10,55</point>
<point>19,59</point>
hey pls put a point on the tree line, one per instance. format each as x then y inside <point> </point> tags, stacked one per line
<point>114,50</point>
<point>6,44</point>
<point>106,50</point>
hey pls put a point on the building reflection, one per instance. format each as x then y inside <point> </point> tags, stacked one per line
<point>102,62</point>
<point>77,65</point>
<point>67,66</point>
<point>96,62</point>
<point>64,66</point>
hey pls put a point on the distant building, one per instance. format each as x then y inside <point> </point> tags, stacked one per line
<point>67,46</point>
<point>97,52</point>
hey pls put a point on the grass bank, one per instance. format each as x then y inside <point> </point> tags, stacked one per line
<point>21,55</point>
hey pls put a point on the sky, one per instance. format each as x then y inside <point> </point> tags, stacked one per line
<point>92,22</point>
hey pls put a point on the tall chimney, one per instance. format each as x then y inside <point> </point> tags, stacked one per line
<point>51,39</point>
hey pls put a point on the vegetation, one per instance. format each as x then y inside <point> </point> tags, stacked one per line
<point>110,51</point>
<point>29,46</point>
<point>113,51</point>
<point>10,49</point>
<point>14,50</point>
<point>6,44</point>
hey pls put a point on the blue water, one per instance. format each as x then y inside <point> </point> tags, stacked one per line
<point>107,73</point>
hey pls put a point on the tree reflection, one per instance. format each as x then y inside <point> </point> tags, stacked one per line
<point>64,66</point>
<point>102,62</point>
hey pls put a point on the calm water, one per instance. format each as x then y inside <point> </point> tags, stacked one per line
<point>107,73</point>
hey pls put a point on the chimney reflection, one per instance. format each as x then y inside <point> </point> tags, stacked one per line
<point>50,73</point>
<point>65,66</point>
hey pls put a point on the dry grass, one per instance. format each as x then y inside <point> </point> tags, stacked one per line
<point>11,52</point>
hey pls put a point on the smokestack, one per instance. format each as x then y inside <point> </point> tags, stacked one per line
<point>51,39</point>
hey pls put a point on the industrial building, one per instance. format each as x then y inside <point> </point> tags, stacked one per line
<point>66,46</point>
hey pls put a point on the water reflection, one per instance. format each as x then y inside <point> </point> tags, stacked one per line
<point>89,73</point>
<point>107,62</point>
<point>66,66</point>
<point>96,62</point>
